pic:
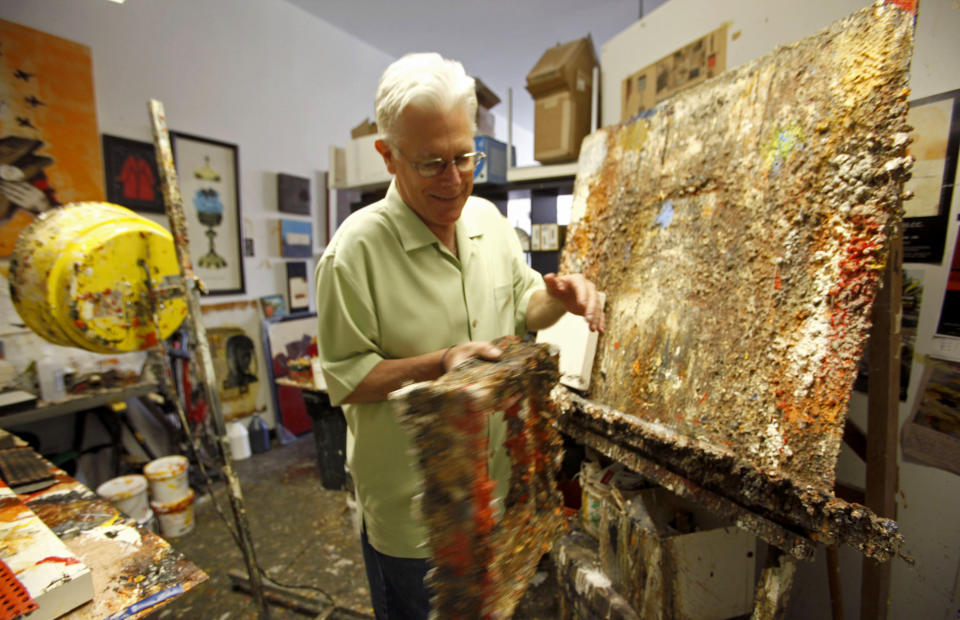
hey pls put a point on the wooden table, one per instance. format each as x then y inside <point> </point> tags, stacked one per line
<point>133,569</point>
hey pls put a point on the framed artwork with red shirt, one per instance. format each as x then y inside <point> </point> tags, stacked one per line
<point>131,174</point>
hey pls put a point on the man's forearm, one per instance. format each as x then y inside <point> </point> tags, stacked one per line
<point>389,375</point>
<point>543,311</point>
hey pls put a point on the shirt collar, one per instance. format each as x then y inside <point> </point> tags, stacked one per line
<point>414,234</point>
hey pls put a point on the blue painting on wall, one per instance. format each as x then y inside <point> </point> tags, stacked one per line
<point>296,239</point>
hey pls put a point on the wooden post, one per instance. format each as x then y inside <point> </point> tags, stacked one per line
<point>883,404</point>
<point>191,292</point>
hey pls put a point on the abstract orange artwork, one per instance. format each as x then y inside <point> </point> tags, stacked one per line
<point>49,147</point>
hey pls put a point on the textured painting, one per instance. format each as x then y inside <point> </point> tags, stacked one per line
<point>49,145</point>
<point>739,231</point>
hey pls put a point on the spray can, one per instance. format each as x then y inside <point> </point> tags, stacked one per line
<point>259,434</point>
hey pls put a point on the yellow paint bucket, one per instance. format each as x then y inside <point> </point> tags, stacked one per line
<point>78,277</point>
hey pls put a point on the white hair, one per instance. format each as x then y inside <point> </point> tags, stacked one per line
<point>425,81</point>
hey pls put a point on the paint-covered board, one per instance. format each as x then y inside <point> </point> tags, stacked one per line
<point>739,231</point>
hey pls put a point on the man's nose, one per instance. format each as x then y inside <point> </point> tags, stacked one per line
<point>451,173</point>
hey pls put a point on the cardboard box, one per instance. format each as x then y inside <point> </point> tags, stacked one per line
<point>364,164</point>
<point>688,66</point>
<point>365,128</point>
<point>561,84</point>
<point>494,167</point>
<point>486,99</point>
<point>665,553</point>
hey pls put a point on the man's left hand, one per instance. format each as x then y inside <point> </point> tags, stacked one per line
<point>578,296</point>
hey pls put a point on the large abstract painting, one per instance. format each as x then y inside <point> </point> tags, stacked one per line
<point>49,144</point>
<point>739,231</point>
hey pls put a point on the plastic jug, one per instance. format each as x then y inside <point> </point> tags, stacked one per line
<point>239,442</point>
<point>259,434</point>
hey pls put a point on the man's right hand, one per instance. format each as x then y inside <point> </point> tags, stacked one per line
<point>460,353</point>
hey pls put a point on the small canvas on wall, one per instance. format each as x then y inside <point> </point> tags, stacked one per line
<point>298,289</point>
<point>296,239</point>
<point>293,194</point>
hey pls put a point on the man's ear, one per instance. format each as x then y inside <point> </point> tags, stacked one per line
<point>384,149</point>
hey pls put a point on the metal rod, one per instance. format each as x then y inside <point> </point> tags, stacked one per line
<point>192,288</point>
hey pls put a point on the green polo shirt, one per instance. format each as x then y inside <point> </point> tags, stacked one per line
<point>388,289</point>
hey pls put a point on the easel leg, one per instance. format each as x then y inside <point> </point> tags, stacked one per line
<point>773,590</point>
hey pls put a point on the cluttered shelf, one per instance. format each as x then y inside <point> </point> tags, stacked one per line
<point>42,410</point>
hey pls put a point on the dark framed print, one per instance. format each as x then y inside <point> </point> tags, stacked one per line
<point>209,175</point>
<point>293,194</point>
<point>130,168</point>
<point>298,287</point>
<point>936,136</point>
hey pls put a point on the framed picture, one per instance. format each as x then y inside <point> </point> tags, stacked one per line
<point>296,239</point>
<point>273,306</point>
<point>239,362</point>
<point>931,435</point>
<point>298,288</point>
<point>209,176</point>
<point>936,136</point>
<point>293,194</point>
<point>130,169</point>
<point>285,339</point>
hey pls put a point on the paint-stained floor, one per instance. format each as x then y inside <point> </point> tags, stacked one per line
<point>303,534</point>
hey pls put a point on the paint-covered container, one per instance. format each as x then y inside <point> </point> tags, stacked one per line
<point>168,479</point>
<point>175,518</point>
<point>81,276</point>
<point>128,494</point>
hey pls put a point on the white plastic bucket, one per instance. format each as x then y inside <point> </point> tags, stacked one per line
<point>176,518</point>
<point>128,494</point>
<point>168,479</point>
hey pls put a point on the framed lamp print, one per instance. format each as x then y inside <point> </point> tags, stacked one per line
<point>209,175</point>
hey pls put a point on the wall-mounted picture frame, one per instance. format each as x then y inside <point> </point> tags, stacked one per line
<point>293,194</point>
<point>209,176</point>
<point>298,287</point>
<point>296,239</point>
<point>936,138</point>
<point>130,171</point>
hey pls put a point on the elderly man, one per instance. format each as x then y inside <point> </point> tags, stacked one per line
<point>411,286</point>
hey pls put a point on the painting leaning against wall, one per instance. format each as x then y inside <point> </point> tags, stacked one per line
<point>49,143</point>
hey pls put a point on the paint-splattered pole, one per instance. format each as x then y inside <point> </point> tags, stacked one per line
<point>192,287</point>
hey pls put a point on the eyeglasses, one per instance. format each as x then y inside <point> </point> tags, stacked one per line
<point>434,167</point>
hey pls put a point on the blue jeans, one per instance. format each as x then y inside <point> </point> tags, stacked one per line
<point>397,590</point>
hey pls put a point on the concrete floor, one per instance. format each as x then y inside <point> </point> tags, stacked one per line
<point>303,535</point>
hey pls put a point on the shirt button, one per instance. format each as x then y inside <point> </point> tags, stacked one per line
<point>474,322</point>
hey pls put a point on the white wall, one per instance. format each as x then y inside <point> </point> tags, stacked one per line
<point>929,503</point>
<point>275,80</point>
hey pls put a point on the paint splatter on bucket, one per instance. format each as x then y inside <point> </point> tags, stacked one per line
<point>176,518</point>
<point>78,277</point>
<point>128,494</point>
<point>168,479</point>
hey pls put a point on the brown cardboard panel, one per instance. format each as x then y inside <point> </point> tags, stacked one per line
<point>688,66</point>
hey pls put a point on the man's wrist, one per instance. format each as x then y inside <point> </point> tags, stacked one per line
<point>443,359</point>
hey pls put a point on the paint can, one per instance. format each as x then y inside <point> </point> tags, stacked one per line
<point>78,278</point>
<point>168,479</point>
<point>175,518</point>
<point>128,494</point>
